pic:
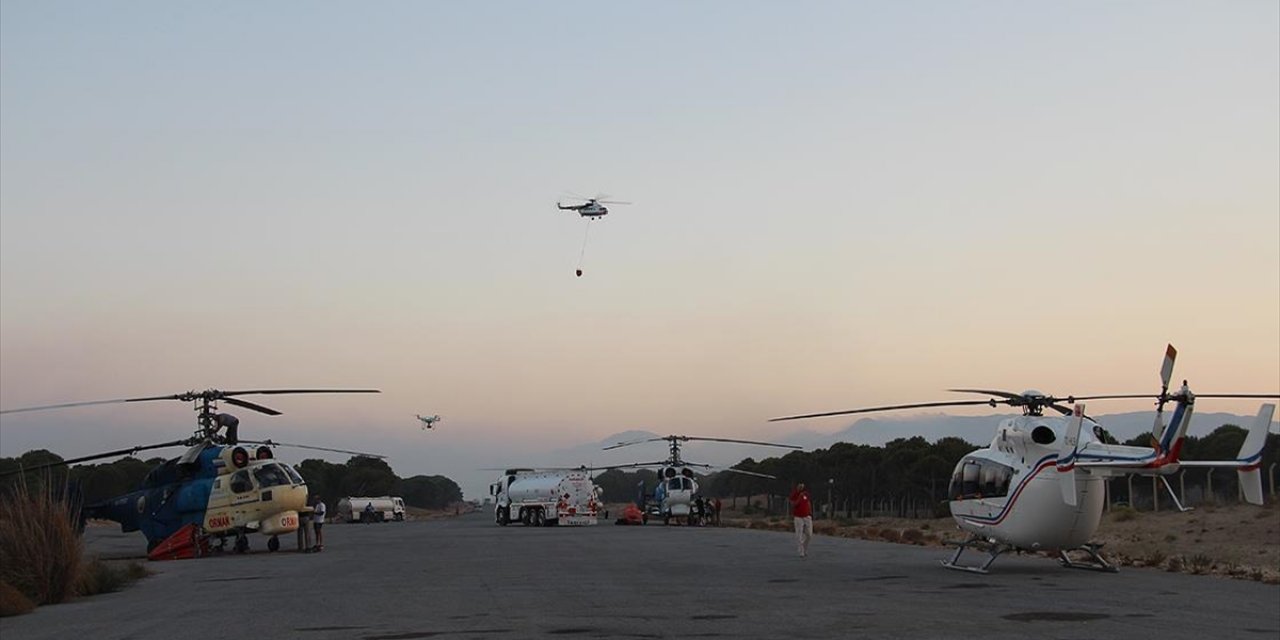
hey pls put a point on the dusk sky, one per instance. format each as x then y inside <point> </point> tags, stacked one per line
<point>834,205</point>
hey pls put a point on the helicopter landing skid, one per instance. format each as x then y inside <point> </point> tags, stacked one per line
<point>993,549</point>
<point>1095,562</point>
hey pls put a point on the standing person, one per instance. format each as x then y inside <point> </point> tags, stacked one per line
<point>317,521</point>
<point>715,512</point>
<point>802,511</point>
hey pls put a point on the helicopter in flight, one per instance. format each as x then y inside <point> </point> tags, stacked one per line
<point>673,497</point>
<point>592,208</point>
<point>427,421</point>
<point>218,487</point>
<point>1039,485</point>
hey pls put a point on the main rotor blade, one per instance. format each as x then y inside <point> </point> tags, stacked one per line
<point>991,392</point>
<point>97,456</point>
<point>612,202</point>
<point>211,394</point>
<point>633,465</point>
<point>249,405</point>
<point>767,444</point>
<point>67,405</point>
<point>274,392</point>
<point>922,405</point>
<point>627,444</point>
<point>748,473</point>
<point>273,443</point>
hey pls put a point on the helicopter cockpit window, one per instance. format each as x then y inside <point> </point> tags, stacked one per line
<point>270,475</point>
<point>240,481</point>
<point>679,484</point>
<point>980,479</point>
<point>294,475</point>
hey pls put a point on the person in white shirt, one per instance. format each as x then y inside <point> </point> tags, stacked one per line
<point>318,522</point>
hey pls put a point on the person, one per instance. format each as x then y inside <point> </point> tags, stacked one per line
<point>304,530</point>
<point>368,513</point>
<point>715,511</point>
<point>802,512</point>
<point>317,521</point>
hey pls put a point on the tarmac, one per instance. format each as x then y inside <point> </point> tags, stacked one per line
<point>465,577</point>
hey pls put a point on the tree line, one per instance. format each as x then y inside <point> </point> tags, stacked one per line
<point>359,476</point>
<point>910,476</point>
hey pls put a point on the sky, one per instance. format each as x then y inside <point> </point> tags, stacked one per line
<point>835,205</point>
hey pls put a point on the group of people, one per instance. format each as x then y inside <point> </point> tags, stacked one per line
<point>706,511</point>
<point>311,526</point>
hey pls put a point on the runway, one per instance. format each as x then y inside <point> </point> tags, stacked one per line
<point>467,578</point>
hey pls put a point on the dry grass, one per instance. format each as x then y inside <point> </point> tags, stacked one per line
<point>1236,541</point>
<point>40,549</point>
<point>12,602</point>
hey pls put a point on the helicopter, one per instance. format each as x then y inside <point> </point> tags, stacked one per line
<point>592,208</point>
<point>217,486</point>
<point>1040,484</point>
<point>428,421</point>
<point>674,495</point>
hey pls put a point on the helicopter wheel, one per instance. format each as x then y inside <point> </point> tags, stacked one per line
<point>273,544</point>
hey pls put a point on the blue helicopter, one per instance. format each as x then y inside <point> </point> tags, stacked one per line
<point>217,488</point>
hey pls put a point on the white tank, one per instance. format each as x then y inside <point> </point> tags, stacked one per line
<point>555,496</point>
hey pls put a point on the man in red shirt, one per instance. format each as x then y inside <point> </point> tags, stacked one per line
<point>802,511</point>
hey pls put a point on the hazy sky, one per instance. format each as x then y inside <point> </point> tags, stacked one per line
<point>835,205</point>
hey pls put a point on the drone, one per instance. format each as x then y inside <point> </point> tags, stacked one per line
<point>1039,485</point>
<point>592,208</point>
<point>674,495</point>
<point>216,489</point>
<point>428,421</point>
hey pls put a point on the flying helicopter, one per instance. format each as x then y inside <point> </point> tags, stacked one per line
<point>592,208</point>
<point>428,421</point>
<point>674,494</point>
<point>1039,485</point>
<point>217,486</point>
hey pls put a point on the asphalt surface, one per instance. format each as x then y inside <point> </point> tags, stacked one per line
<point>467,578</point>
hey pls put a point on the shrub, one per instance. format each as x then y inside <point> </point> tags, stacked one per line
<point>40,551</point>
<point>1176,564</point>
<point>12,602</point>
<point>914,536</point>
<point>891,535</point>
<point>1154,558</point>
<point>102,577</point>
<point>1200,563</point>
<point>1123,514</point>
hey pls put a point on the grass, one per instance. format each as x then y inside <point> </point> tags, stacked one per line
<point>42,558</point>
<point>40,549</point>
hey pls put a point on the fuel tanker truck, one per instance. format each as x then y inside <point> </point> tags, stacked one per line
<point>545,497</point>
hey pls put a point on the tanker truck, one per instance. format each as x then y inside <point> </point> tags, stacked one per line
<point>545,497</point>
<point>384,508</point>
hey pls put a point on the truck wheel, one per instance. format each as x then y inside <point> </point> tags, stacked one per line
<point>525,516</point>
<point>503,517</point>
<point>539,518</point>
<point>242,543</point>
<point>273,544</point>
<point>666,519</point>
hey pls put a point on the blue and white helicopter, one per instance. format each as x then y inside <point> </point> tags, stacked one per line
<point>673,497</point>
<point>1039,485</point>
<point>218,487</point>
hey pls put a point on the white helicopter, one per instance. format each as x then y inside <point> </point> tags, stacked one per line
<point>427,421</point>
<point>674,495</point>
<point>592,208</point>
<point>1039,485</point>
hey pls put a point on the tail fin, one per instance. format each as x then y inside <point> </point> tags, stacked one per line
<point>1251,455</point>
<point>1067,456</point>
